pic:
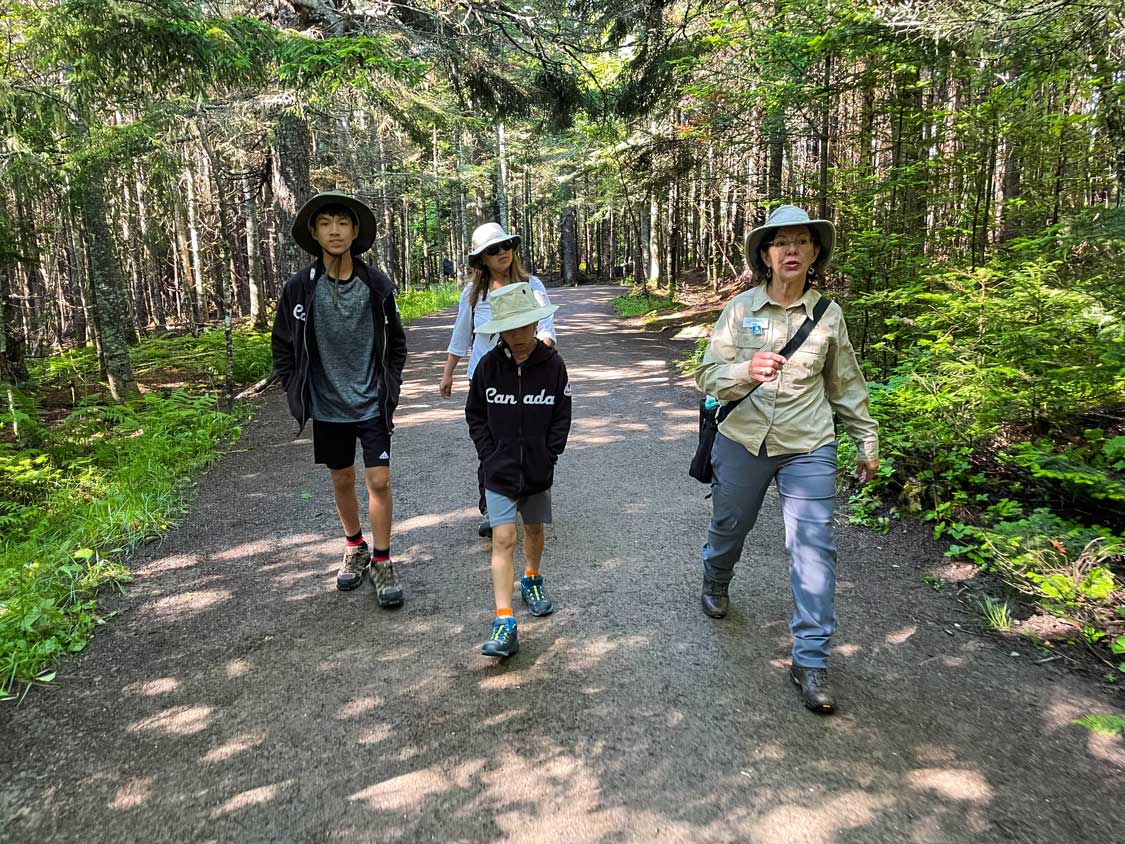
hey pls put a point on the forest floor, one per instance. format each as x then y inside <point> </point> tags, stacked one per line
<point>236,696</point>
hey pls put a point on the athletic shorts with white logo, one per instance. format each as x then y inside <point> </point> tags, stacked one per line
<point>334,443</point>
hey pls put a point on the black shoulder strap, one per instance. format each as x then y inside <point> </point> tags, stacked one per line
<point>794,343</point>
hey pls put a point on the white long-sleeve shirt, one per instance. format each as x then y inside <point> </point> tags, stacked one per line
<point>469,318</point>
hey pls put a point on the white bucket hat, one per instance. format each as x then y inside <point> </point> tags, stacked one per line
<point>514,306</point>
<point>486,235</point>
<point>789,215</point>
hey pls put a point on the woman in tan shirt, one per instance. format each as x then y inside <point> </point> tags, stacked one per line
<point>783,431</point>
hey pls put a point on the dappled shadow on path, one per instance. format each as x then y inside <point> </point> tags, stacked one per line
<point>240,697</point>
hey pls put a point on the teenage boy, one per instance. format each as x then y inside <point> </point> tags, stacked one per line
<point>339,349</point>
<point>519,418</point>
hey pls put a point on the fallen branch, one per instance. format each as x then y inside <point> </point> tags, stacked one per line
<point>260,387</point>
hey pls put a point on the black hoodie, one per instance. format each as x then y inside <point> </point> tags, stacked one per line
<point>519,419</point>
<point>294,340</point>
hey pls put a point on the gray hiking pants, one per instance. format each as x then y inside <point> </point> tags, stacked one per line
<point>807,486</point>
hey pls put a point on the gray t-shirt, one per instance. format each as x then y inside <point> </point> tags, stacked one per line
<point>342,375</point>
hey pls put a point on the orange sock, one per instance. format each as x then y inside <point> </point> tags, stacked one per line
<point>530,573</point>
<point>504,613</point>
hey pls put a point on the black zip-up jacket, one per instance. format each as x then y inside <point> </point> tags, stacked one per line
<point>519,419</point>
<point>294,340</point>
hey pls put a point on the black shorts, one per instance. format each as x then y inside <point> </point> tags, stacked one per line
<point>334,443</point>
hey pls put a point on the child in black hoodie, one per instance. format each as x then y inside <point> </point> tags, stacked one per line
<point>519,418</point>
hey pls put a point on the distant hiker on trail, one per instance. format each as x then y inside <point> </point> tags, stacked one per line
<point>784,431</point>
<point>519,418</point>
<point>339,349</point>
<point>495,262</point>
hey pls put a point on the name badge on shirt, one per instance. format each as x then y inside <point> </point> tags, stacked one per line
<point>757,325</point>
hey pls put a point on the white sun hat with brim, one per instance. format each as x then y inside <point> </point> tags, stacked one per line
<point>486,235</point>
<point>789,215</point>
<point>514,306</point>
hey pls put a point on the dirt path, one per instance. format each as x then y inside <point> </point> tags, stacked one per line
<point>238,697</point>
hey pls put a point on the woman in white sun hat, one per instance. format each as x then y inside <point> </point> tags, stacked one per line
<point>781,352</point>
<point>495,262</point>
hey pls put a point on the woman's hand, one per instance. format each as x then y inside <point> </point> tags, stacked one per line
<point>446,386</point>
<point>865,470</point>
<point>764,366</point>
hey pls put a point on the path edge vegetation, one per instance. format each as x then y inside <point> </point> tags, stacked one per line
<point>80,493</point>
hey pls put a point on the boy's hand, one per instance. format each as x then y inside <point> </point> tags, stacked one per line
<point>446,386</point>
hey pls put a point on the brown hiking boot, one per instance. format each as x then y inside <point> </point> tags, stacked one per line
<point>356,559</point>
<point>388,591</point>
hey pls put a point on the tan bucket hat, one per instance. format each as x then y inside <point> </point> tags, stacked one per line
<point>364,217</point>
<point>789,215</point>
<point>514,306</point>
<point>486,235</point>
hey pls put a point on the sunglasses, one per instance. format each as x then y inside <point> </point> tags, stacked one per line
<point>494,249</point>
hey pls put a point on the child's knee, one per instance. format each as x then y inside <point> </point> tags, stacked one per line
<point>378,481</point>
<point>504,538</point>
<point>343,478</point>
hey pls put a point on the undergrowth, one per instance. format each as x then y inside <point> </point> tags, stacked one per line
<point>418,303</point>
<point>103,480</point>
<point>637,304</point>
<point>76,496</point>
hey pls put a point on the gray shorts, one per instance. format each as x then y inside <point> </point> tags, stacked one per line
<point>535,509</point>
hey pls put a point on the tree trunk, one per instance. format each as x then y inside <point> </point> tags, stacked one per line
<point>654,251</point>
<point>825,136</point>
<point>568,245</point>
<point>289,182</point>
<point>225,261</point>
<point>502,177</point>
<point>528,256</point>
<point>775,131</point>
<point>253,269</point>
<point>199,292</point>
<point>111,310</point>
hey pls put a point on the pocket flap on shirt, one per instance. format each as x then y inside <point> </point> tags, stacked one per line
<point>747,339</point>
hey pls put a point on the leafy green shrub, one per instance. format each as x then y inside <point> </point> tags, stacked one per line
<point>995,372</point>
<point>635,304</point>
<point>108,476</point>
<point>418,303</point>
<point>688,364</point>
<point>192,357</point>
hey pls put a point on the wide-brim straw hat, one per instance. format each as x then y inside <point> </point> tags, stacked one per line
<point>486,235</point>
<point>789,215</point>
<point>363,214</point>
<point>514,306</point>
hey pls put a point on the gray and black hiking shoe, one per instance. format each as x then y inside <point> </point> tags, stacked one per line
<point>538,603</point>
<point>356,560</point>
<point>388,591</point>
<point>715,598</point>
<point>816,694</point>
<point>504,641</point>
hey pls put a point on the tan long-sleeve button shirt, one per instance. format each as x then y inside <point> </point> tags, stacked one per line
<point>793,413</point>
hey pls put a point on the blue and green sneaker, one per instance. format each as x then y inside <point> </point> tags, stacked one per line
<point>504,642</point>
<point>531,588</point>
